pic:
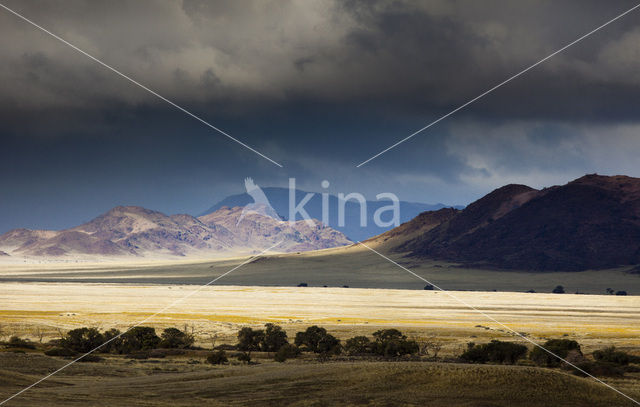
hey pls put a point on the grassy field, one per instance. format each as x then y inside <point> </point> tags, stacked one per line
<point>594,320</point>
<point>184,381</point>
<point>352,266</point>
<point>41,302</point>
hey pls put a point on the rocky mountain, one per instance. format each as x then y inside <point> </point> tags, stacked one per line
<point>590,223</point>
<point>279,200</point>
<point>127,231</point>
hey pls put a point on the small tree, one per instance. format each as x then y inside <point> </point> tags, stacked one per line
<point>274,338</point>
<point>494,352</point>
<point>175,338</point>
<point>286,351</point>
<point>431,347</point>
<point>249,340</point>
<point>138,338</point>
<point>316,339</point>
<point>82,339</point>
<point>358,345</point>
<point>392,343</point>
<point>559,347</point>
<point>218,358</point>
<point>612,355</point>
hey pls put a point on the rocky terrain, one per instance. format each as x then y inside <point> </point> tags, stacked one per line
<point>127,231</point>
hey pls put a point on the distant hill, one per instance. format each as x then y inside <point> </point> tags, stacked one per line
<point>590,223</point>
<point>127,231</point>
<point>279,199</point>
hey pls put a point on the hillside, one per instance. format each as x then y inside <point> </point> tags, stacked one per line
<point>279,200</point>
<point>590,223</point>
<point>131,231</point>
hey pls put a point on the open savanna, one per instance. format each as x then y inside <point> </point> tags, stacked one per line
<point>41,302</point>
<point>219,311</point>
<point>183,381</point>
<point>355,266</point>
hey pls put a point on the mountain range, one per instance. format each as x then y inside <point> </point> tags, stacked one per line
<point>127,231</point>
<point>352,228</point>
<point>590,223</point>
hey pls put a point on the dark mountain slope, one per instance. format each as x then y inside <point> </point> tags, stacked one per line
<point>590,223</point>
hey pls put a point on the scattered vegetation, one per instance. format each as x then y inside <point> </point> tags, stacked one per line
<point>507,353</point>
<point>559,347</point>
<point>143,343</point>
<point>218,357</point>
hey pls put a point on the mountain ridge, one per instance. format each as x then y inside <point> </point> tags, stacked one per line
<point>133,231</point>
<point>592,222</point>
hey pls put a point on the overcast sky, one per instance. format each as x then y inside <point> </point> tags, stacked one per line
<point>318,86</point>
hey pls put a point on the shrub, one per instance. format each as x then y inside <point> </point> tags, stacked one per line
<point>558,290</point>
<point>82,339</point>
<point>303,285</point>
<point>250,339</point>
<point>598,369</point>
<point>621,293</point>
<point>560,347</point>
<point>428,287</point>
<point>218,358</point>
<point>175,339</point>
<point>392,343</point>
<point>611,355</point>
<point>245,357</point>
<point>111,344</point>
<point>90,358</point>
<point>316,339</point>
<point>358,345</point>
<point>494,352</point>
<point>59,352</point>
<point>274,338</point>
<point>286,351</point>
<point>138,338</point>
<point>17,342</point>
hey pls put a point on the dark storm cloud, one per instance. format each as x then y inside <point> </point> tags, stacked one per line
<point>415,56</point>
<point>318,86</point>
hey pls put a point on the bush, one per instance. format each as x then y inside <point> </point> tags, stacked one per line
<point>428,287</point>
<point>286,351</point>
<point>611,355</point>
<point>111,344</point>
<point>621,293</point>
<point>138,338</point>
<point>82,339</point>
<point>560,347</point>
<point>218,358</point>
<point>494,352</point>
<point>245,357</point>
<point>59,352</point>
<point>250,340</point>
<point>392,343</point>
<point>316,339</point>
<point>17,342</point>
<point>174,338</point>
<point>274,338</point>
<point>91,358</point>
<point>358,345</point>
<point>598,369</point>
<point>558,290</point>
